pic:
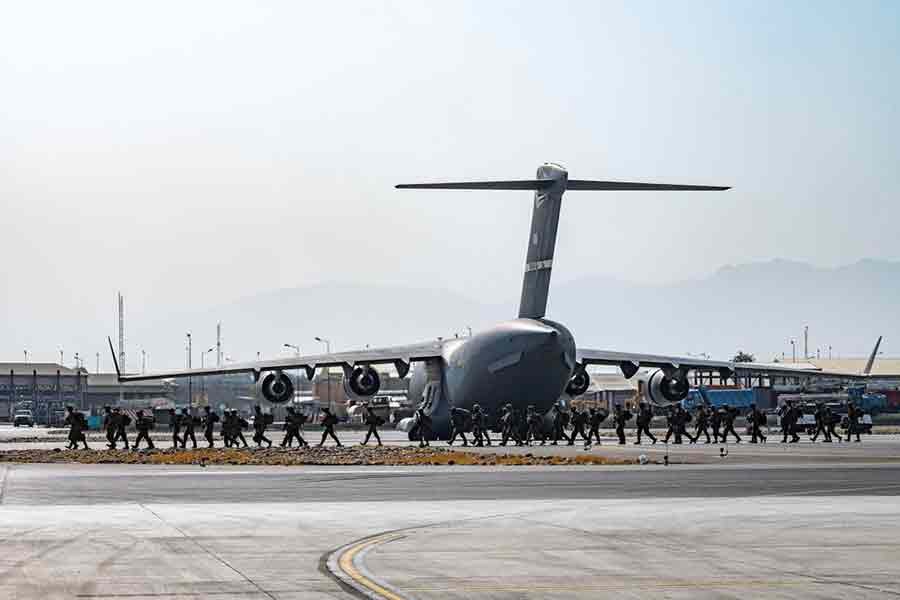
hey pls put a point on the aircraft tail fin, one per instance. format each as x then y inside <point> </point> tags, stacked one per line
<point>871,362</point>
<point>549,185</point>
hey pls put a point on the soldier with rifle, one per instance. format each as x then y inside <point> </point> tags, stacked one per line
<point>595,418</point>
<point>644,418</point>
<point>175,426</point>
<point>755,418</point>
<point>423,427</point>
<point>559,416</point>
<point>830,421</point>
<point>109,425</point>
<point>620,418</point>
<point>728,416</point>
<point>821,425</point>
<point>853,417</point>
<point>535,426</point>
<point>77,426</point>
<point>480,426</point>
<point>579,420</point>
<point>238,425</point>
<point>259,427</point>
<point>459,420</point>
<point>702,424</point>
<point>187,421</point>
<point>143,425</point>
<point>329,420</point>
<point>293,421</point>
<point>210,418</point>
<point>373,421</point>
<point>715,422</point>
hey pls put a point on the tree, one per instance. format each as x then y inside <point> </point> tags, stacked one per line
<point>743,357</point>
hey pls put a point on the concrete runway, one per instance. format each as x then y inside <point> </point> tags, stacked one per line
<point>709,531</point>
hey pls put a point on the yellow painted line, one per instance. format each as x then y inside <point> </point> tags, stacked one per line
<point>346,564</point>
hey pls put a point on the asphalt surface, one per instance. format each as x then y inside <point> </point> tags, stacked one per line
<point>99,484</point>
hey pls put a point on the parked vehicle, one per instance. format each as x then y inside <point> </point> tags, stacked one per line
<point>23,418</point>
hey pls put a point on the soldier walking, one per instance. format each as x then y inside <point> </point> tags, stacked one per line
<point>756,418</point>
<point>480,426</point>
<point>175,426</point>
<point>143,426</point>
<point>579,420</point>
<point>853,416</point>
<point>715,421</point>
<point>458,420</point>
<point>559,424</point>
<point>821,426</point>
<point>210,418</point>
<point>77,425</point>
<point>508,426</point>
<point>121,421</point>
<point>595,417</point>
<point>644,418</point>
<point>728,417</point>
<point>292,424</point>
<point>702,424</point>
<point>620,418</point>
<point>373,421</point>
<point>328,423</point>
<point>259,427</point>
<point>535,426</point>
<point>187,420</point>
<point>423,427</point>
<point>830,422</point>
<point>109,425</point>
<point>789,416</point>
<point>238,425</point>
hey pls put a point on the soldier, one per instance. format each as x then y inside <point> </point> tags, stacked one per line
<point>508,426</point>
<point>702,424</point>
<point>728,416</point>
<point>459,419</point>
<point>671,424</point>
<point>821,426</point>
<point>187,421</point>
<point>373,421</point>
<point>143,426</point>
<point>109,424</point>
<point>620,418</point>
<point>293,423</point>
<point>645,416</point>
<point>175,426</point>
<point>830,421</point>
<point>238,425</point>
<point>594,419</point>
<point>853,416</point>
<point>789,416</point>
<point>480,426</point>
<point>755,418</point>
<point>121,421</point>
<point>558,414</point>
<point>715,421</point>
<point>259,427</point>
<point>423,427</point>
<point>328,423</point>
<point>579,420</point>
<point>77,425</point>
<point>227,428</point>
<point>210,418</point>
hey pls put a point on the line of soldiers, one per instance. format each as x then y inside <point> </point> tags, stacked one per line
<point>183,426</point>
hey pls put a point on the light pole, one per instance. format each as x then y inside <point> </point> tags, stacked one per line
<point>296,349</point>
<point>26,357</point>
<point>190,379</point>
<point>203,377</point>
<point>98,363</point>
<point>143,361</point>
<point>794,351</point>
<point>327,370</point>
<point>60,356</point>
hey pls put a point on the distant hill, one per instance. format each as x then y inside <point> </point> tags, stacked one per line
<point>753,307</point>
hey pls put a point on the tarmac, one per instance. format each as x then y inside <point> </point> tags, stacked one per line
<point>780,521</point>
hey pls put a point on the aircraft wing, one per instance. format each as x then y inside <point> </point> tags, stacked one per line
<point>630,362</point>
<point>399,356</point>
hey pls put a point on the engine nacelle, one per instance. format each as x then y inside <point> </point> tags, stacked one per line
<point>667,389</point>
<point>276,387</point>
<point>362,381</point>
<point>579,383</point>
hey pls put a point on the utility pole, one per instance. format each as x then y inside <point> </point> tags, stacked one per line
<point>121,331</point>
<point>26,357</point>
<point>793,351</point>
<point>219,344</point>
<point>190,379</point>
<point>60,356</point>
<point>805,342</point>
<point>143,361</point>
<point>98,363</point>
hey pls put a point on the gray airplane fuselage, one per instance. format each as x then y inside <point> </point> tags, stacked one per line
<point>522,362</point>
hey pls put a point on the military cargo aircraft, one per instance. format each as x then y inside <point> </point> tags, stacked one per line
<point>527,361</point>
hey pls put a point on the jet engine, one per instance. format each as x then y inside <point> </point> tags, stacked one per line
<point>276,387</point>
<point>579,383</point>
<point>362,381</point>
<point>667,389</point>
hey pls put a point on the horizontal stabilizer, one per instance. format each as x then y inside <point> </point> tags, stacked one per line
<point>571,184</point>
<point>624,186</point>
<point>520,184</point>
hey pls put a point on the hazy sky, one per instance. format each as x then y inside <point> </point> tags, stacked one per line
<point>189,153</point>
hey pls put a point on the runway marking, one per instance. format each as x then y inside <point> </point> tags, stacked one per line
<point>6,471</point>
<point>208,551</point>
<point>347,563</point>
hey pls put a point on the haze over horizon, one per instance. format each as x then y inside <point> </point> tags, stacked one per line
<point>194,154</point>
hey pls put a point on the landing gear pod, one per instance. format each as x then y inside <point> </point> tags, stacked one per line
<point>276,387</point>
<point>362,381</point>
